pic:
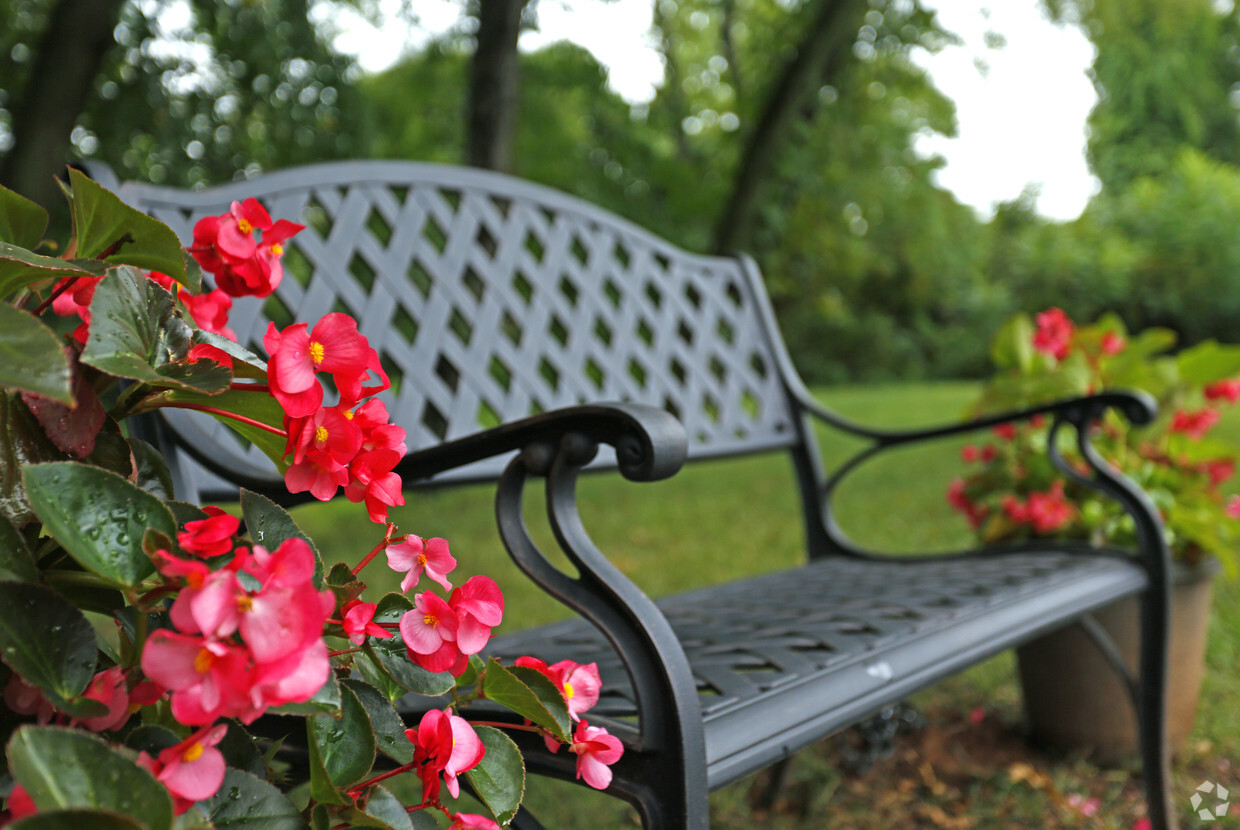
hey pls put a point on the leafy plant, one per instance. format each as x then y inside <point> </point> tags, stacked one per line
<point>1014,491</point>
<point>142,636</point>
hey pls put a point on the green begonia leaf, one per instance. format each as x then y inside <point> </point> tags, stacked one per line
<point>389,728</point>
<point>325,701</point>
<point>20,268</point>
<point>392,655</point>
<point>76,820</point>
<point>346,743</point>
<point>47,640</point>
<point>31,358</point>
<point>16,562</point>
<point>254,405</point>
<point>98,517</point>
<point>383,810</point>
<point>103,224</point>
<point>70,768</point>
<point>530,694</point>
<point>136,332</point>
<point>22,222</point>
<point>268,524</point>
<point>153,474</point>
<point>499,778</point>
<point>245,801</point>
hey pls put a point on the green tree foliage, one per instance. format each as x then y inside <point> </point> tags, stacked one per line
<point>197,91</point>
<point>1165,74</point>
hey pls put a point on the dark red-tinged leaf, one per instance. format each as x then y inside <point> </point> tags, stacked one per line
<point>22,442</point>
<point>31,358</point>
<point>72,428</point>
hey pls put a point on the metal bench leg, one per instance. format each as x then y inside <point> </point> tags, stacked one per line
<point>1151,710</point>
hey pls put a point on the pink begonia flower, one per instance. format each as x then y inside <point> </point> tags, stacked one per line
<point>208,679</point>
<point>1054,333</point>
<point>235,233</point>
<point>320,476</point>
<point>1233,507</point>
<point>328,432</point>
<point>358,619</point>
<point>1049,511</point>
<point>578,683</point>
<point>1112,343</point>
<point>372,480</point>
<point>479,607</point>
<point>1084,806</point>
<point>1194,424</point>
<point>444,743</point>
<point>109,688</point>
<point>20,803</point>
<point>193,769</point>
<point>334,346</point>
<point>415,556</point>
<point>293,679</point>
<point>26,699</point>
<point>596,750</point>
<point>472,821</point>
<point>1223,390</point>
<point>210,311</point>
<point>429,632</point>
<point>262,272</point>
<point>212,536</point>
<point>1142,824</point>
<point>1219,470</point>
<point>1005,431</point>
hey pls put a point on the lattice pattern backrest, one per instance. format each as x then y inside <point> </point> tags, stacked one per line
<point>491,299</point>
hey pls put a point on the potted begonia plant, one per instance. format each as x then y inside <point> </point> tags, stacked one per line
<point>141,636</point>
<point>1012,492</point>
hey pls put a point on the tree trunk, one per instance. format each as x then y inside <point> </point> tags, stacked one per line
<point>821,55</point>
<point>494,86</point>
<point>78,36</point>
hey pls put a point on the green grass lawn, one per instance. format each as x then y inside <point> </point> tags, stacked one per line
<point>723,520</point>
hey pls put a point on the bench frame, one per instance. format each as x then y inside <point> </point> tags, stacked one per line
<point>730,384</point>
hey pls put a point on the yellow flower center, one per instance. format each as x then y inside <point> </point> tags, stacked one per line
<point>244,226</point>
<point>277,249</point>
<point>193,753</point>
<point>348,414</point>
<point>245,603</point>
<point>203,660</point>
<point>422,559</point>
<point>316,351</point>
<point>431,620</point>
<point>568,691</point>
<point>320,435</point>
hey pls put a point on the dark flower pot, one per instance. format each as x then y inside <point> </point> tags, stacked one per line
<point>1075,703</point>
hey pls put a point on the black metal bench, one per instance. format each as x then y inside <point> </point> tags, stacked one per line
<point>495,301</point>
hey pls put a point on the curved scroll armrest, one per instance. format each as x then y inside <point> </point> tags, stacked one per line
<point>1138,407</point>
<point>650,444</point>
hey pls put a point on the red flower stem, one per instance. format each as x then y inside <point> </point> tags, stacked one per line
<point>249,387</point>
<point>387,538</point>
<point>343,651</point>
<point>517,726</point>
<point>212,410</point>
<point>355,790</point>
<point>52,297</point>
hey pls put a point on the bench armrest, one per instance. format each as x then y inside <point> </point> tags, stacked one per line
<point>650,444</point>
<point>1138,407</point>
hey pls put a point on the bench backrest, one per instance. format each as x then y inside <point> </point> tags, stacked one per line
<point>490,299</point>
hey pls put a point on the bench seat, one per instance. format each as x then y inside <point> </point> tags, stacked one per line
<point>863,633</point>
